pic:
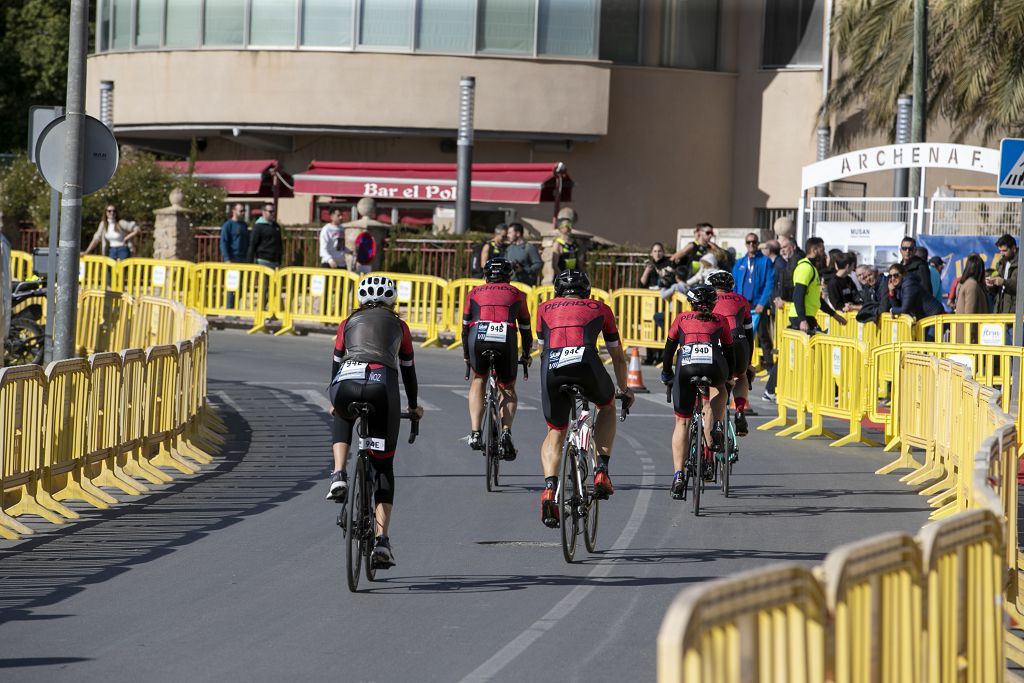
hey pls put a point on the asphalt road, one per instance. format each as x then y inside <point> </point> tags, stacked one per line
<point>237,573</point>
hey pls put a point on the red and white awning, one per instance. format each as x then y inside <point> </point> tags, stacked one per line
<point>493,183</point>
<point>250,177</point>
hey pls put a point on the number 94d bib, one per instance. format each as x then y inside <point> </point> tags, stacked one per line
<point>696,354</point>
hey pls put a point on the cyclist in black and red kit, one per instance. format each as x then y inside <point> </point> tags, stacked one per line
<point>489,319</point>
<point>736,310</point>
<point>569,326</point>
<point>372,347</point>
<point>704,339</point>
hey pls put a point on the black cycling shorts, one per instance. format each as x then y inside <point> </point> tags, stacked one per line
<point>744,353</point>
<point>378,386</point>
<point>684,393</point>
<point>572,365</point>
<point>508,349</point>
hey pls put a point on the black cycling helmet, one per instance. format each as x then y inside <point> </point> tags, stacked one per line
<point>573,282</point>
<point>498,269</point>
<point>721,279</point>
<point>702,298</point>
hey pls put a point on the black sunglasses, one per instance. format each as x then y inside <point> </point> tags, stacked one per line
<point>752,242</point>
<point>905,248</point>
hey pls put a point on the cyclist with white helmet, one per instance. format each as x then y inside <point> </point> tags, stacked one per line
<point>373,346</point>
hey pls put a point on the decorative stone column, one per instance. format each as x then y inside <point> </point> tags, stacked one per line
<point>172,231</point>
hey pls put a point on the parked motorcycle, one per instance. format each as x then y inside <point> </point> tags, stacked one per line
<point>25,338</point>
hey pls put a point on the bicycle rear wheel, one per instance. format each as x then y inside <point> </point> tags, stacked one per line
<point>730,445</point>
<point>697,454</point>
<point>591,506</point>
<point>354,546</point>
<point>568,503</point>
<point>490,437</point>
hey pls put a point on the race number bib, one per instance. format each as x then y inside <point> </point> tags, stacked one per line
<point>569,355</point>
<point>350,370</point>
<point>492,332</point>
<point>696,354</point>
<point>371,444</point>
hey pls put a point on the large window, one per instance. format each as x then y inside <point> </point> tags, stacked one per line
<point>147,31</point>
<point>224,23</point>
<point>327,23</point>
<point>386,23</point>
<point>559,28</point>
<point>121,21</point>
<point>691,34</point>
<point>792,33</point>
<point>567,27</point>
<point>445,25</point>
<point>620,31</point>
<point>272,23</point>
<point>506,26</point>
<point>183,23</point>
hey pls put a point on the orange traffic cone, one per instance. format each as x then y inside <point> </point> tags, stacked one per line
<point>634,376</point>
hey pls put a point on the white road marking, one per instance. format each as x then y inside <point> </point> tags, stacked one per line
<point>223,396</point>
<point>566,605</point>
<point>317,398</point>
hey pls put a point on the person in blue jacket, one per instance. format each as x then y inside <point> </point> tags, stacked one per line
<point>234,242</point>
<point>754,276</point>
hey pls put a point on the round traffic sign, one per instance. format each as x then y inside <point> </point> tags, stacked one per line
<point>99,162</point>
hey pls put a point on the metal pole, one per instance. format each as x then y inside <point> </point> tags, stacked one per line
<point>107,103</point>
<point>66,305</point>
<point>824,144</point>
<point>904,107</point>
<point>51,269</point>
<point>920,114</point>
<point>1018,308</point>
<point>464,167</point>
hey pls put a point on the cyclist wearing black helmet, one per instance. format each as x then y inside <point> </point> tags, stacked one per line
<point>489,319</point>
<point>569,326</point>
<point>704,339</point>
<point>736,310</point>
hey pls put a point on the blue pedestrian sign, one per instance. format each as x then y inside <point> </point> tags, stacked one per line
<point>1011,168</point>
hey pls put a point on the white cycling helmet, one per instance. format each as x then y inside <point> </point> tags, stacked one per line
<point>377,289</point>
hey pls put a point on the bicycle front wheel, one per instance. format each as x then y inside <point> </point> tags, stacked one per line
<point>490,437</point>
<point>697,459</point>
<point>356,523</point>
<point>591,507</point>
<point>730,446</point>
<point>568,503</point>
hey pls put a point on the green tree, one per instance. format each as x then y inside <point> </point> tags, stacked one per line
<point>33,63</point>
<point>975,60</point>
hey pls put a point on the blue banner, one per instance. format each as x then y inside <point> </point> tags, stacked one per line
<point>954,250</point>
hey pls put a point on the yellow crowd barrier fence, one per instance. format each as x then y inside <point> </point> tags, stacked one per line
<point>793,366</point>
<point>234,289</point>
<point>313,295</point>
<point>85,429</point>
<point>635,311</point>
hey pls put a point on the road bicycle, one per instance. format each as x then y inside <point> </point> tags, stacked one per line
<point>577,504</point>
<point>357,519</point>
<point>490,427</point>
<point>697,444</point>
<point>725,458</point>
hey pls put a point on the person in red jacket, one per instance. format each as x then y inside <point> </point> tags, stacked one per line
<point>736,310</point>
<point>490,317</point>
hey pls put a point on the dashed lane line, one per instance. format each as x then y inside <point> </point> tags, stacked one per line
<point>503,657</point>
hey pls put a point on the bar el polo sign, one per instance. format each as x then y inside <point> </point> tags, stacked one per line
<point>428,192</point>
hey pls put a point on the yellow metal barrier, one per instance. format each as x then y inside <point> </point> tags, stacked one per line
<point>832,385</point>
<point>66,421</point>
<point>794,381</point>
<point>132,447</point>
<point>988,329</point>
<point>104,321</point>
<point>420,303</point>
<point>161,408</point>
<point>153,322</point>
<point>874,590</point>
<point>634,311</point>
<point>98,272</point>
<point>156,277</point>
<point>766,625</point>
<point>104,465</point>
<point>22,404</point>
<point>21,265</point>
<point>234,289</point>
<point>455,301</point>
<point>315,295</point>
<point>964,565</point>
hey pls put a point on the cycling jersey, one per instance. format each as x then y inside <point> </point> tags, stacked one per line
<point>569,329</point>
<point>565,322</point>
<point>706,351</point>
<point>374,335</point>
<point>736,310</point>
<point>490,317</point>
<point>568,254</point>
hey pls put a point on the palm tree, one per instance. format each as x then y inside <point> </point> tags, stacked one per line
<point>975,62</point>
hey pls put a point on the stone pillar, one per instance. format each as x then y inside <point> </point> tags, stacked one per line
<point>172,231</point>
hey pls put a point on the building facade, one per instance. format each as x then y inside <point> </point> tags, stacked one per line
<point>665,113</point>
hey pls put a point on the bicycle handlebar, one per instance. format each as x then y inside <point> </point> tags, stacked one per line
<point>625,410</point>
<point>414,428</point>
